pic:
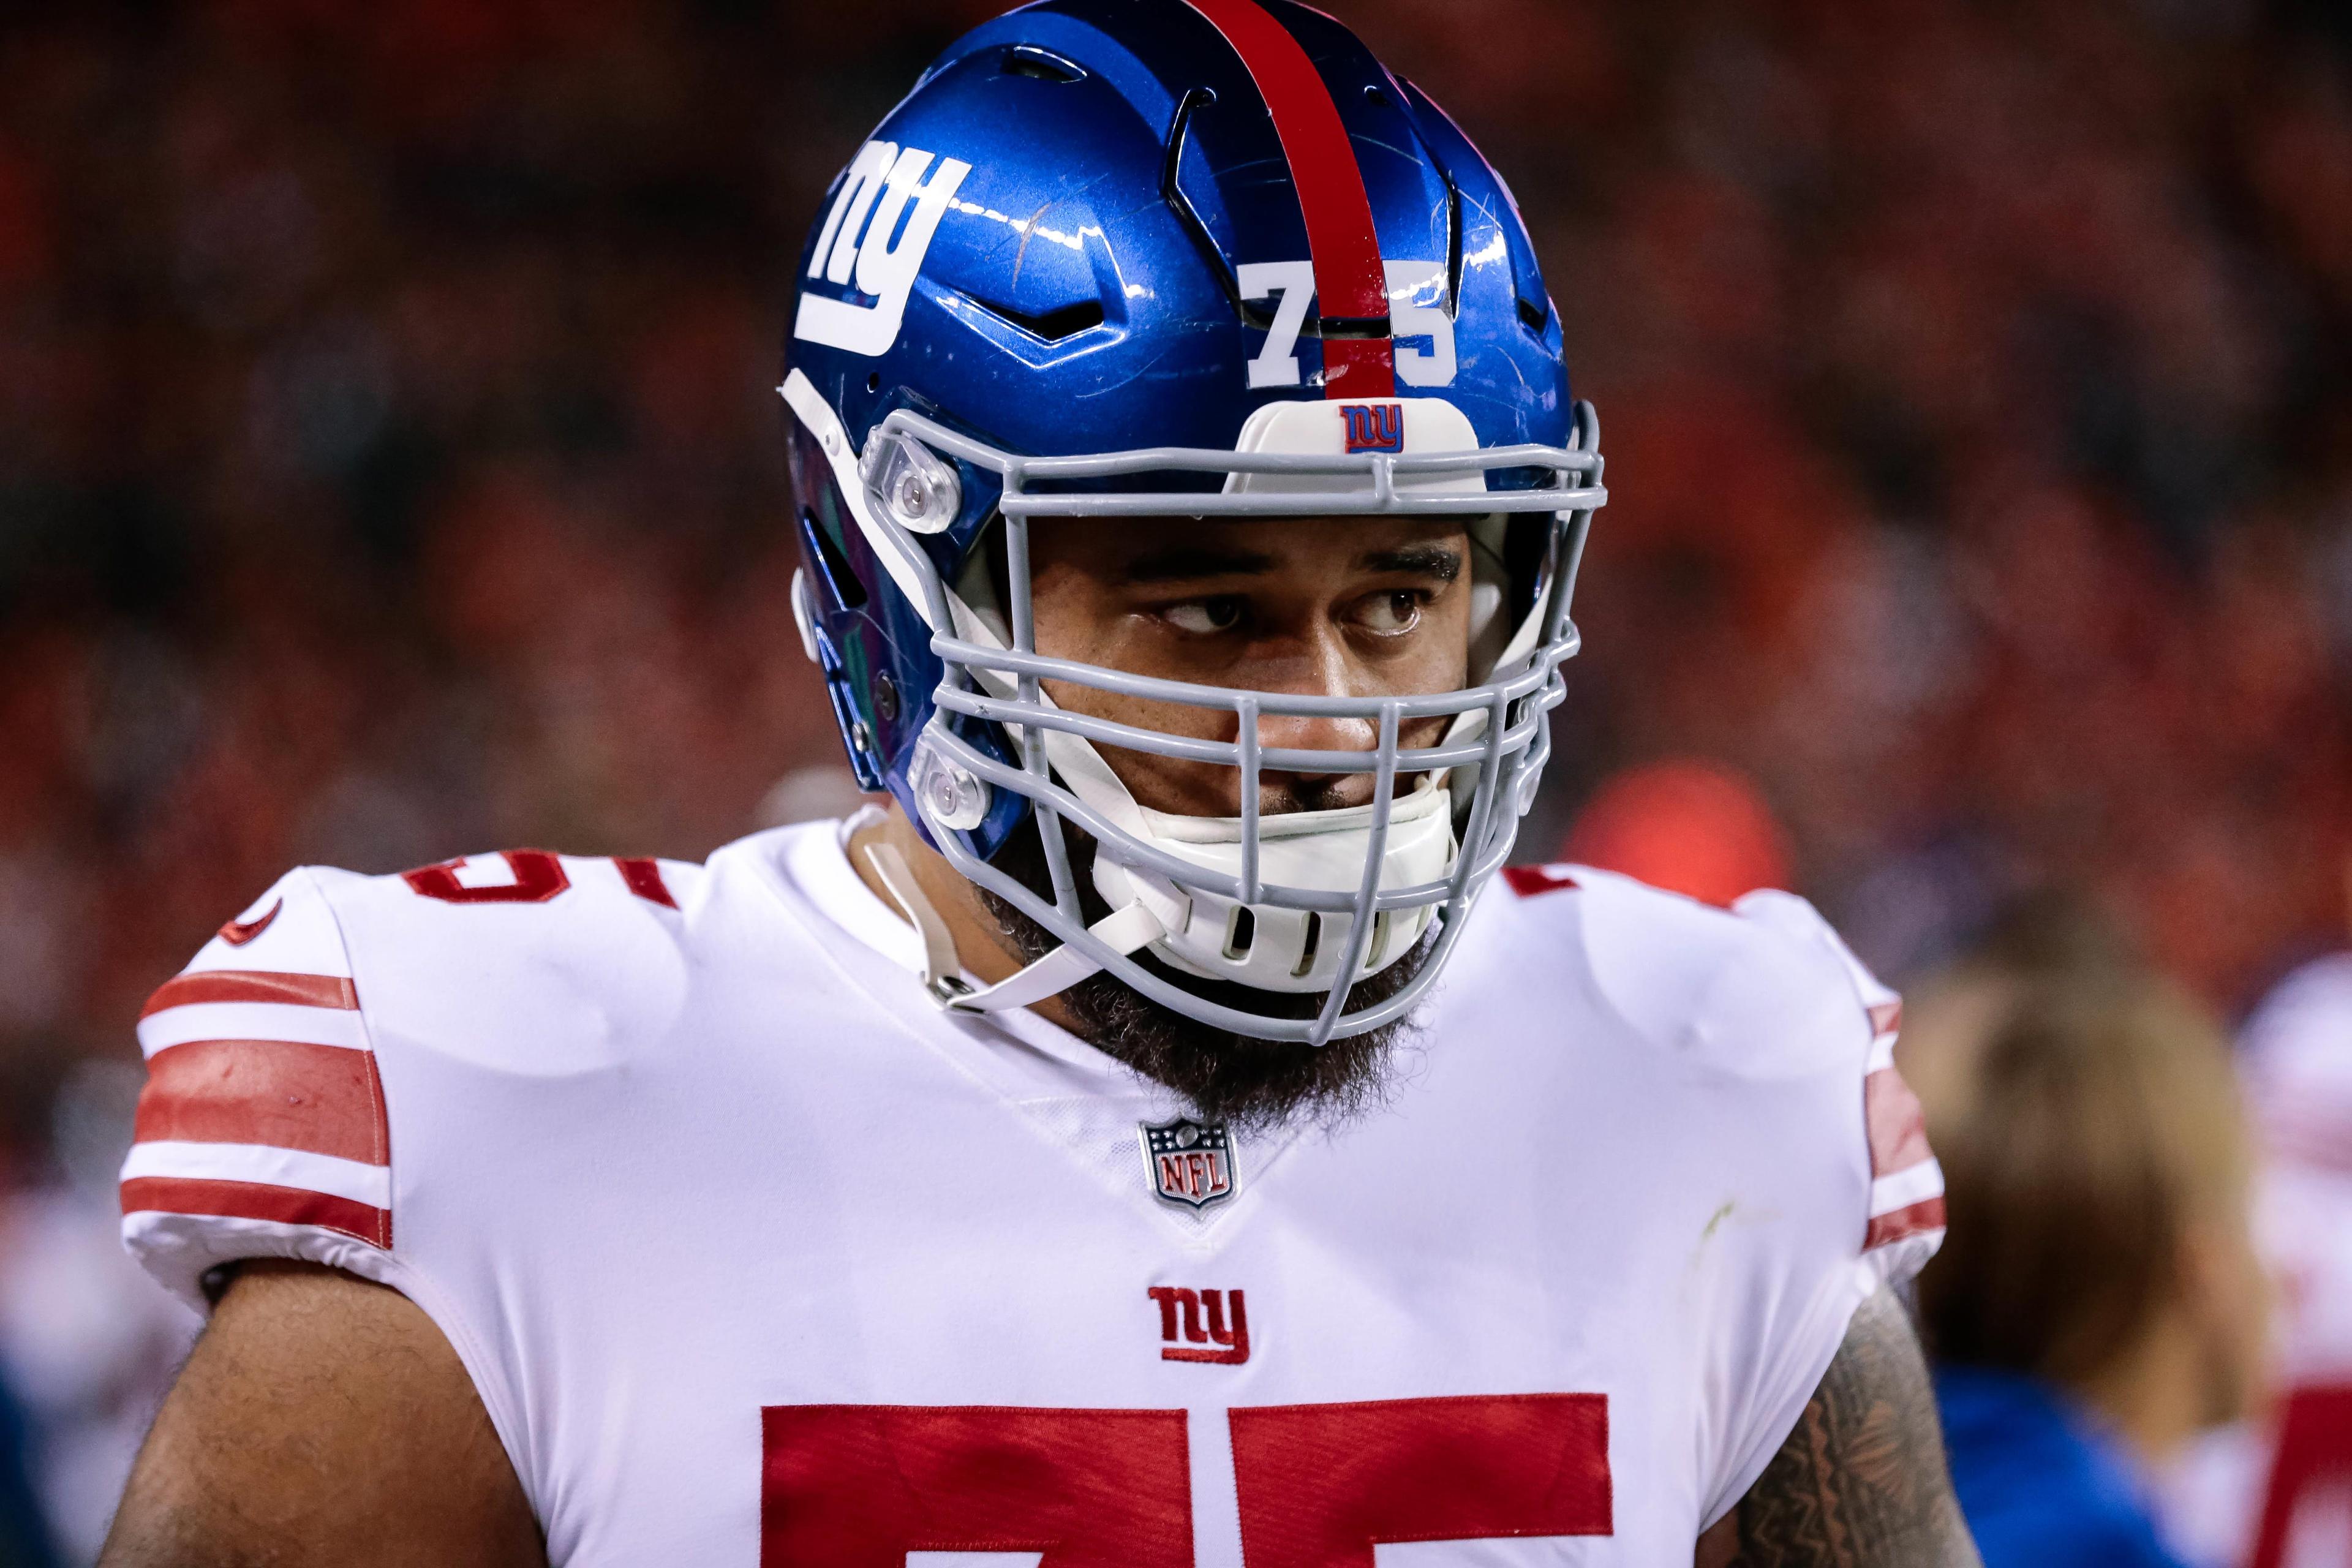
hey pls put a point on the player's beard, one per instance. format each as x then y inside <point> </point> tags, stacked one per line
<point>1245,1081</point>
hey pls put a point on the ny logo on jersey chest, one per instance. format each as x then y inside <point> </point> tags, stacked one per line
<point>1202,1325</point>
<point>1189,1163</point>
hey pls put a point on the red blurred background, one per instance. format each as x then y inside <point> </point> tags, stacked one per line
<point>389,467</point>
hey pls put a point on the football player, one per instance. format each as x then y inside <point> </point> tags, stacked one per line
<point>1166,1135</point>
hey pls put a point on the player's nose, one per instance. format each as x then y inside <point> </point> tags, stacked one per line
<point>1327,789</point>
<point>1323,672</point>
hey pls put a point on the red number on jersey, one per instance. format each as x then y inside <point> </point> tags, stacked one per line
<point>860,1486</point>
<point>645,879</point>
<point>538,876</point>
<point>1321,1485</point>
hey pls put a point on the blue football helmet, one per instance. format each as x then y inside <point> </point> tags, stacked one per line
<point>1162,259</point>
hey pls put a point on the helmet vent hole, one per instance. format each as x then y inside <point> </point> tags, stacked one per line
<point>1314,942</point>
<point>1063,322</point>
<point>840,581</point>
<point>1240,933</point>
<point>1041,64</point>
<point>1534,315</point>
<point>1380,100</point>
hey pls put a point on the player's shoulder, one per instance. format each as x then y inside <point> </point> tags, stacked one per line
<point>464,945</point>
<point>265,1129</point>
<point>1765,988</point>
<point>1762,997</point>
<point>591,949</point>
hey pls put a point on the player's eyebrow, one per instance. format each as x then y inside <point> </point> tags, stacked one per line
<point>1192,562</point>
<point>1416,560</point>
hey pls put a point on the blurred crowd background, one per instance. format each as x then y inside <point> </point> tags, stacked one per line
<point>390,468</point>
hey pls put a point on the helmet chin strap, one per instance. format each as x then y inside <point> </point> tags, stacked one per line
<point>1123,931</point>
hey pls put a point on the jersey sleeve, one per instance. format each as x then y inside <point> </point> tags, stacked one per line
<point>261,1131</point>
<point>1888,1218</point>
<point>1906,1223</point>
<point>345,1022</point>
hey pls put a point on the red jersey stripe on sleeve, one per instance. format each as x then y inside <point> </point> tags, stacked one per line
<point>1916,1219</point>
<point>1898,1128</point>
<point>253,985</point>
<point>257,1201</point>
<point>1351,282</point>
<point>323,1100</point>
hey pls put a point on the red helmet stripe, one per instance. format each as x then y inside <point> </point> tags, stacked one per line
<point>1349,281</point>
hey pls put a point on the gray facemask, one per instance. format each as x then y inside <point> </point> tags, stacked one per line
<point>1295,902</point>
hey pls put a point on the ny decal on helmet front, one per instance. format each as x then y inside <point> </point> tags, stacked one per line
<point>1374,426</point>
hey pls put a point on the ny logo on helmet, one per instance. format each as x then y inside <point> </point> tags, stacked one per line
<point>856,248</point>
<point>1374,426</point>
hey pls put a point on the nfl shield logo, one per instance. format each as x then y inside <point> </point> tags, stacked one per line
<point>1190,1163</point>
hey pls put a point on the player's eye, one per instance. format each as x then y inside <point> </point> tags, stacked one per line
<point>1392,613</point>
<point>1204,617</point>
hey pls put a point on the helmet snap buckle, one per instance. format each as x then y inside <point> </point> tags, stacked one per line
<point>950,796</point>
<point>909,484</point>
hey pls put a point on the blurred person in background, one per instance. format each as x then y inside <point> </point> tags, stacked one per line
<point>86,1347</point>
<point>2297,1062</point>
<point>23,1534</point>
<point>2099,1301</point>
<point>2276,1491</point>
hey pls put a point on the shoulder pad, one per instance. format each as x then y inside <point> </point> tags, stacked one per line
<point>1768,990</point>
<point>1906,1185</point>
<point>1759,991</point>
<point>263,1129</point>
<point>526,963</point>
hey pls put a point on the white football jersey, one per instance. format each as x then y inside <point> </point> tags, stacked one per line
<point>756,1257</point>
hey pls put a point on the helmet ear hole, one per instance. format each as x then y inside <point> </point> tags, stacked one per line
<point>985,582</point>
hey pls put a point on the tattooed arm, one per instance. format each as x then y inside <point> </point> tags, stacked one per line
<point>1861,1483</point>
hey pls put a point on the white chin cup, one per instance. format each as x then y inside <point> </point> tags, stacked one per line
<point>1265,946</point>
